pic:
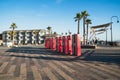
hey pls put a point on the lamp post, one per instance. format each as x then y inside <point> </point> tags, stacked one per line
<point>111,26</point>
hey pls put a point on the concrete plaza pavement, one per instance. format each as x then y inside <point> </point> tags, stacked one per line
<point>35,63</point>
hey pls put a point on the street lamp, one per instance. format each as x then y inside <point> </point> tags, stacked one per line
<point>111,25</point>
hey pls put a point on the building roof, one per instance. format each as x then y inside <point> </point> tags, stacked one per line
<point>25,30</point>
<point>99,29</point>
<point>101,26</point>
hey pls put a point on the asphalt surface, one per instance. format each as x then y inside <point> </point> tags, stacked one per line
<point>38,63</point>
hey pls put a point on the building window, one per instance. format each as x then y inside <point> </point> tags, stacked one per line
<point>9,37</point>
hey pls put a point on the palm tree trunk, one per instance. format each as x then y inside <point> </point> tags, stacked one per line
<point>51,32</point>
<point>78,26</point>
<point>87,34</point>
<point>83,30</point>
<point>13,37</point>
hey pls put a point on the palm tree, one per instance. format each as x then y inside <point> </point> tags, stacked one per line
<point>10,33</point>
<point>78,18</point>
<point>50,29</point>
<point>55,33</point>
<point>62,34</point>
<point>13,26</point>
<point>84,15</point>
<point>15,34</point>
<point>36,32</point>
<point>87,22</point>
<point>66,33</point>
<point>70,33</point>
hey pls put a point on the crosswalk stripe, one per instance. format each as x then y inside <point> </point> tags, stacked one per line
<point>103,69</point>
<point>60,72</point>
<point>117,70</point>
<point>11,70</point>
<point>36,73</point>
<point>3,66</point>
<point>64,66</point>
<point>23,71</point>
<point>50,74</point>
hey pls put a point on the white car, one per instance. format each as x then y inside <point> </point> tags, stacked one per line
<point>8,44</point>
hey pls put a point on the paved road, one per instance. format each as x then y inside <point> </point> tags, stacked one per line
<point>30,63</point>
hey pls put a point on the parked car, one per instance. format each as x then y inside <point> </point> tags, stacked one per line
<point>8,44</point>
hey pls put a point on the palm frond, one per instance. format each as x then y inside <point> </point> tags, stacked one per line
<point>84,14</point>
<point>88,21</point>
<point>13,26</point>
<point>78,17</point>
<point>76,20</point>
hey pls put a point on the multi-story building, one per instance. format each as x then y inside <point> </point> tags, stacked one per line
<point>25,36</point>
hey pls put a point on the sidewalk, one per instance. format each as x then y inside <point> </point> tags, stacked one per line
<point>37,46</point>
<point>4,47</point>
<point>107,47</point>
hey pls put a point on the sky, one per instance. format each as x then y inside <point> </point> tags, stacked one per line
<point>59,14</point>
